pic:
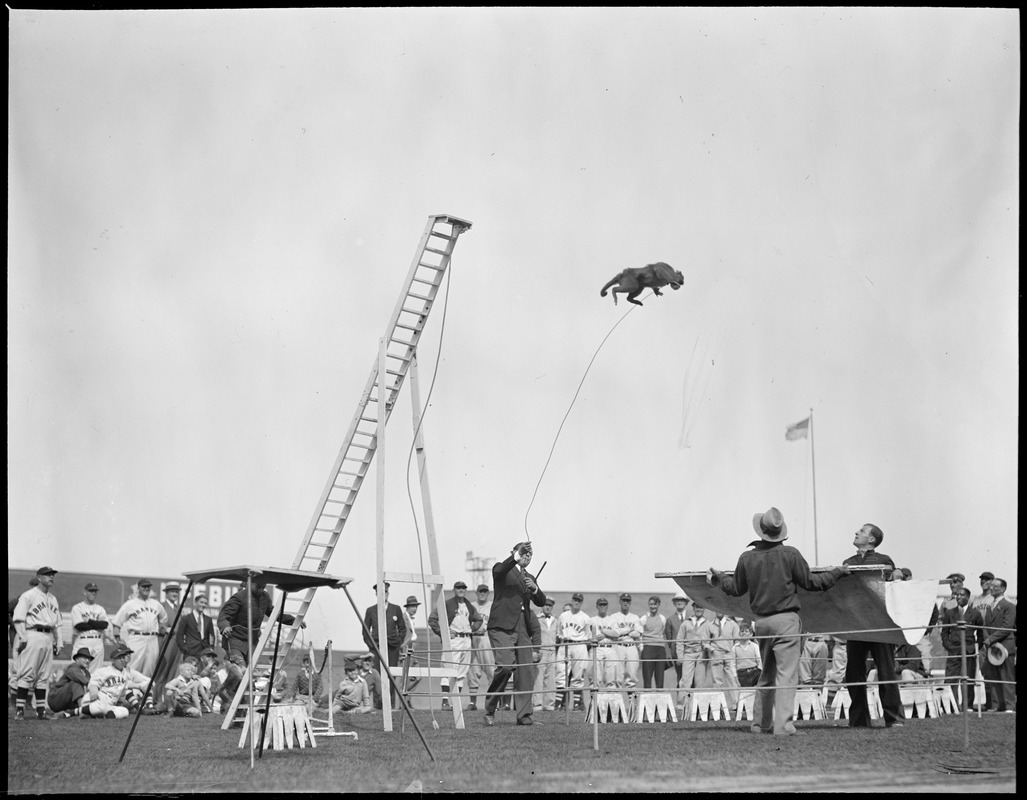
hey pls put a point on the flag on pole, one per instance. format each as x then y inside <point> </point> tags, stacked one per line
<point>800,430</point>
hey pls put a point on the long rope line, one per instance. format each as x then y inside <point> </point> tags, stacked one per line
<point>410,456</point>
<point>552,449</point>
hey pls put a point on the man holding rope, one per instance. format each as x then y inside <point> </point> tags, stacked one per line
<point>510,631</point>
<point>770,574</point>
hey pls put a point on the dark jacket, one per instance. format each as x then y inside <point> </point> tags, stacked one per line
<point>395,626</point>
<point>232,617</point>
<point>191,640</point>
<point>511,597</point>
<point>452,604</point>
<point>771,573</point>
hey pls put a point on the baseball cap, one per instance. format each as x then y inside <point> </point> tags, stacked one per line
<point>52,571</point>
<point>483,587</point>
<point>412,601</point>
<point>120,651</point>
<point>366,656</point>
<point>375,587</point>
<point>578,596</point>
<point>985,576</point>
<point>351,664</point>
<point>957,576</point>
<point>83,652</point>
<point>172,587</point>
<point>144,582</point>
<point>210,651</point>
<point>625,596</point>
<point>92,587</point>
<point>602,601</point>
<point>459,585</point>
<point>549,601</point>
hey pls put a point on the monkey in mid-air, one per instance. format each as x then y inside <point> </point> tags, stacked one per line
<point>634,280</point>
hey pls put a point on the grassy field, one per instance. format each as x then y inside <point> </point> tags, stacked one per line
<point>185,756</point>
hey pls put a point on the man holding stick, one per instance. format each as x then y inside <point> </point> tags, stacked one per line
<point>510,631</point>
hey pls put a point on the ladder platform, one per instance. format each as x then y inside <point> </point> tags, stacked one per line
<point>413,577</point>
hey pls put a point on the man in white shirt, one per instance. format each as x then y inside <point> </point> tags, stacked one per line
<point>544,697</point>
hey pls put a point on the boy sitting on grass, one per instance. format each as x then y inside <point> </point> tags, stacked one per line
<point>353,696</point>
<point>182,693</point>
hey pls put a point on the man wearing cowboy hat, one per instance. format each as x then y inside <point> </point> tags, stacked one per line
<point>999,649</point>
<point>770,574</point>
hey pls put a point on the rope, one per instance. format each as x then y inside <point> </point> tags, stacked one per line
<point>552,449</point>
<point>410,456</point>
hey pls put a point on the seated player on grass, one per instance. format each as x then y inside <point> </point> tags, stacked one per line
<point>66,695</point>
<point>182,693</point>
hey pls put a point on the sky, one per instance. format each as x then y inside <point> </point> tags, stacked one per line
<point>212,214</point>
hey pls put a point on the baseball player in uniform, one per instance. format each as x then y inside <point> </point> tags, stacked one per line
<point>116,689</point>
<point>37,620</point>
<point>606,659</point>
<point>625,630</point>
<point>483,661</point>
<point>88,623</point>
<point>138,623</point>
<point>463,620</point>
<point>574,630</point>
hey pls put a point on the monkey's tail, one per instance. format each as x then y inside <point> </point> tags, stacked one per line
<point>613,280</point>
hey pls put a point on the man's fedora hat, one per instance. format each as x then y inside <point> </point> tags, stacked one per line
<point>997,654</point>
<point>770,525</point>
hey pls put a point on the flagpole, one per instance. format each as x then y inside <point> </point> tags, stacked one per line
<point>813,459</point>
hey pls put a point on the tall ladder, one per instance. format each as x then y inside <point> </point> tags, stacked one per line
<point>427,271</point>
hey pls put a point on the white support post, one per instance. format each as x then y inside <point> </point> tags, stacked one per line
<point>429,533</point>
<point>383,647</point>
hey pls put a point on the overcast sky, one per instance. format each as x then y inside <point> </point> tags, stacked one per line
<point>211,215</point>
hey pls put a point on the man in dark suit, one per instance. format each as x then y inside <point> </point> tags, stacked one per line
<point>395,631</point>
<point>168,668</point>
<point>954,638</point>
<point>510,631</point>
<point>999,629</point>
<point>195,630</point>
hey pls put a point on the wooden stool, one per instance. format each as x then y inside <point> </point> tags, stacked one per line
<point>920,698</point>
<point>656,705</point>
<point>746,700</point>
<point>945,699</point>
<point>810,703</point>
<point>607,704</point>
<point>840,704</point>
<point>287,722</point>
<point>874,702</point>
<point>709,705</point>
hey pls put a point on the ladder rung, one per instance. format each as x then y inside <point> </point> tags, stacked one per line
<point>415,328</point>
<point>425,298</point>
<point>440,252</point>
<point>320,544</point>
<point>443,236</point>
<point>438,268</point>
